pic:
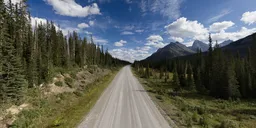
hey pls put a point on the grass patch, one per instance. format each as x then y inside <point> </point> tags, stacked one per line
<point>59,83</point>
<point>190,109</point>
<point>65,110</point>
<point>69,81</point>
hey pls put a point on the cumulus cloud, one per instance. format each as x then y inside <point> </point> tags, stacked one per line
<point>223,36</point>
<point>71,8</point>
<point>127,33</point>
<point>83,25</point>
<point>185,29</point>
<point>220,26</point>
<point>166,8</point>
<point>249,17</point>
<point>120,43</point>
<point>180,40</point>
<point>36,21</point>
<point>91,23</point>
<point>131,54</point>
<point>155,41</point>
<point>68,30</point>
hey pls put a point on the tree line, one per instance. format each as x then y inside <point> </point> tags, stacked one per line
<point>29,55</point>
<point>218,73</point>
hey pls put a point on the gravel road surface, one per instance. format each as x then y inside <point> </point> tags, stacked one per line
<point>124,104</point>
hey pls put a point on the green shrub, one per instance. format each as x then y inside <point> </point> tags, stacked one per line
<point>159,97</point>
<point>228,124</point>
<point>69,82</point>
<point>26,118</point>
<point>201,110</point>
<point>78,93</point>
<point>57,122</point>
<point>189,122</point>
<point>204,121</point>
<point>184,108</point>
<point>73,75</point>
<point>195,117</point>
<point>59,83</point>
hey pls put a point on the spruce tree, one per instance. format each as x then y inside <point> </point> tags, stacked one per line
<point>233,87</point>
<point>199,86</point>
<point>175,80</point>
<point>14,83</point>
<point>190,79</point>
<point>147,75</point>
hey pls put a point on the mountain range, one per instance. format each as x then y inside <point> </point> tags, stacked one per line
<point>177,49</point>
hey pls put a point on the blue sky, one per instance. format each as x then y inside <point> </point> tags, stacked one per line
<point>134,29</point>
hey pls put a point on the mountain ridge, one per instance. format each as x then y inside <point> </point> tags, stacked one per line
<point>173,49</point>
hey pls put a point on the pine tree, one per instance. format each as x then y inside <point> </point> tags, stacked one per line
<point>176,81</point>
<point>190,79</point>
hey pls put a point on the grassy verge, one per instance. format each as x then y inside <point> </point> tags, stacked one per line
<point>64,110</point>
<point>190,109</point>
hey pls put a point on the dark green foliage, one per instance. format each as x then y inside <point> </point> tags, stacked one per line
<point>147,73</point>
<point>219,73</point>
<point>13,82</point>
<point>59,83</point>
<point>233,87</point>
<point>69,81</point>
<point>161,73</point>
<point>29,56</point>
<point>190,79</point>
<point>176,81</point>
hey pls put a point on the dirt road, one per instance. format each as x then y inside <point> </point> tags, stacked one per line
<point>124,104</point>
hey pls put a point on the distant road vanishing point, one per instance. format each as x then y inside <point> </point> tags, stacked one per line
<point>124,104</point>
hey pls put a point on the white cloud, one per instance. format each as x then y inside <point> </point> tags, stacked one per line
<point>13,1</point>
<point>155,41</point>
<point>120,43</point>
<point>220,26</point>
<point>71,8</point>
<point>128,27</point>
<point>220,15</point>
<point>69,30</point>
<point>188,43</point>
<point>223,36</point>
<point>185,29</point>
<point>99,40</point>
<point>91,23</point>
<point>243,32</point>
<point>180,40</point>
<point>139,31</point>
<point>166,8</point>
<point>127,33</point>
<point>83,25</point>
<point>36,21</point>
<point>249,17</point>
<point>130,55</point>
